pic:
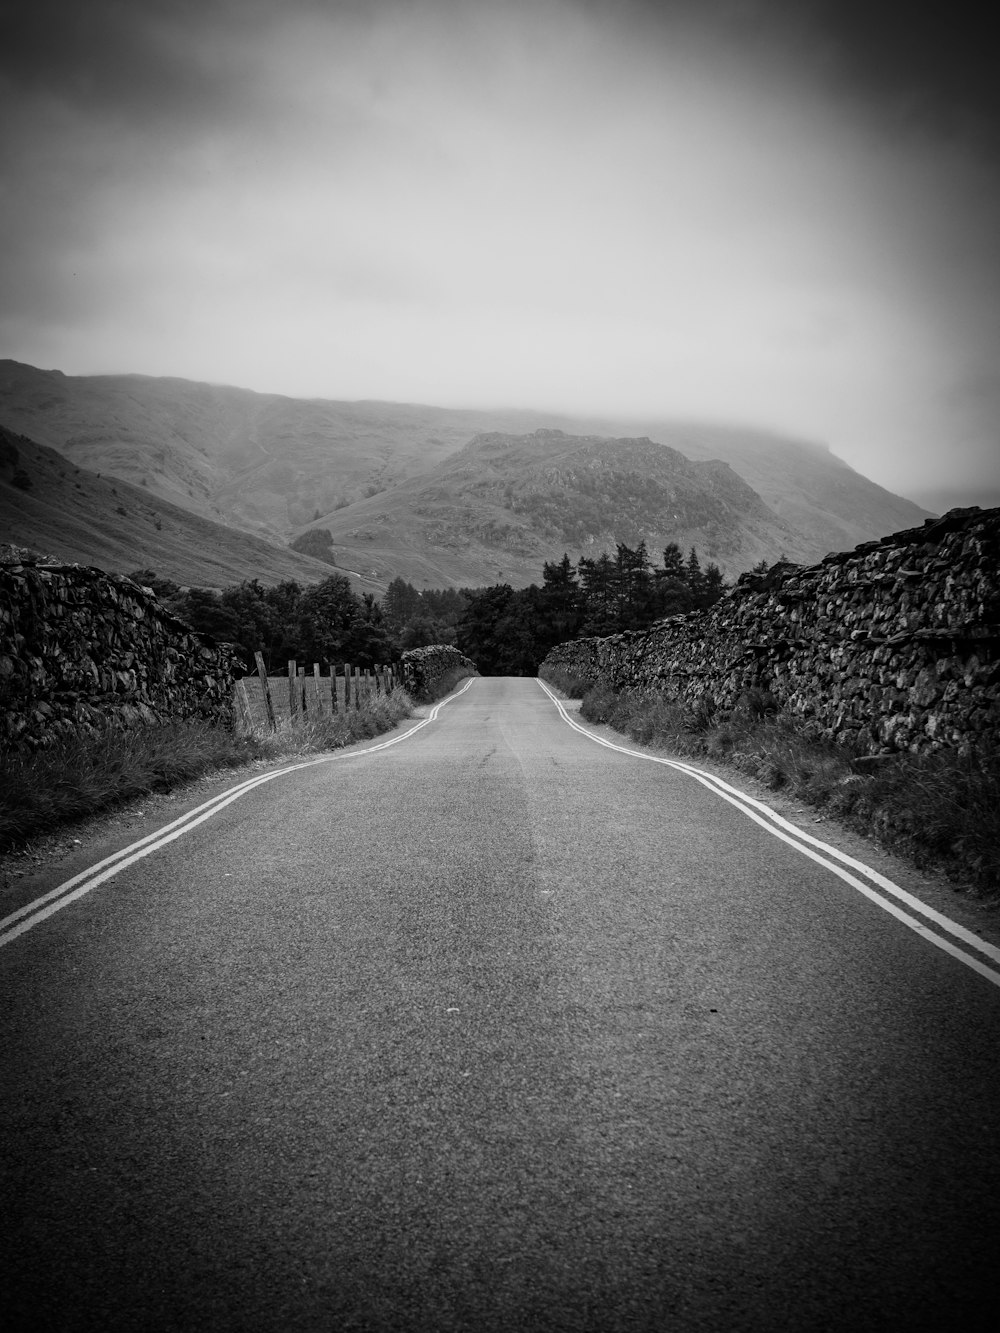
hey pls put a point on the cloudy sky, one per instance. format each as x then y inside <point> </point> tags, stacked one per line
<point>783,213</point>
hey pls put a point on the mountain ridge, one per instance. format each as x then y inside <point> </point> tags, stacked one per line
<point>49,506</point>
<point>276,466</point>
<point>524,500</point>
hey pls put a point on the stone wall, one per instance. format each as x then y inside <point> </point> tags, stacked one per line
<point>423,667</point>
<point>79,648</point>
<point>894,645</point>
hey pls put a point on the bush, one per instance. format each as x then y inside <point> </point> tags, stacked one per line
<point>568,682</point>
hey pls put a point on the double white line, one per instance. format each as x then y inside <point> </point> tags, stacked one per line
<point>31,914</point>
<point>948,935</point>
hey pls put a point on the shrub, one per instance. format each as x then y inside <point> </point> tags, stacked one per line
<point>568,682</point>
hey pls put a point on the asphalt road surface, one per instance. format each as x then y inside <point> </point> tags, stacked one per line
<point>493,1028</point>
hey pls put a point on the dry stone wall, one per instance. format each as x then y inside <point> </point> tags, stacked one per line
<point>79,648</point>
<point>892,646</point>
<point>423,667</point>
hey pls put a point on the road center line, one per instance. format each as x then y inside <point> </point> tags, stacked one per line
<point>826,856</point>
<point>31,914</point>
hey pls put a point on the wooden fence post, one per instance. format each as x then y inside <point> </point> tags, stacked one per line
<point>291,690</point>
<point>357,688</point>
<point>347,686</point>
<point>272,721</point>
<point>319,697</point>
<point>301,689</point>
<point>333,687</point>
<point>246,713</point>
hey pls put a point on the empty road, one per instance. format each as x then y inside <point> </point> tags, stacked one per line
<point>491,1028</point>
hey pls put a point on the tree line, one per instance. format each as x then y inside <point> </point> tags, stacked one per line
<point>509,633</point>
<point>506,631</point>
<point>323,622</point>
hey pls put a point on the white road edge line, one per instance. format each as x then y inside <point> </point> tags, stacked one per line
<point>773,823</point>
<point>28,916</point>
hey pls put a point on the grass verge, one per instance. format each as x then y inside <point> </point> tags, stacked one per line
<point>81,776</point>
<point>941,809</point>
<point>443,685</point>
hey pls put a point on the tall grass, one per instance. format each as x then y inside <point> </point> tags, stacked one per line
<point>941,809</point>
<point>316,732</point>
<point>82,775</point>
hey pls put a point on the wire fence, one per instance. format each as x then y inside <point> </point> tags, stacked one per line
<point>267,701</point>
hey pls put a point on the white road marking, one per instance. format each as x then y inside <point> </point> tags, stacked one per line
<point>31,914</point>
<point>826,856</point>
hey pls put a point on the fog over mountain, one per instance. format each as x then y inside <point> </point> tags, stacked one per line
<point>435,495</point>
<point>758,213</point>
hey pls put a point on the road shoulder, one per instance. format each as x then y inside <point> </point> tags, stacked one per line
<point>931,887</point>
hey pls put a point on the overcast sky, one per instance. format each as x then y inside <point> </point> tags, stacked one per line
<point>784,213</point>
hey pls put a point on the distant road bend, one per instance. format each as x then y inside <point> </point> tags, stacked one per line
<point>487,1026</point>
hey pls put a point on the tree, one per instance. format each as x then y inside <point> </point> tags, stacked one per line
<point>372,638</point>
<point>317,542</point>
<point>330,618</point>
<point>673,562</point>
<point>597,582</point>
<point>258,626</point>
<point>401,603</point>
<point>206,613</point>
<point>479,632</point>
<point>447,605</point>
<point>560,603</point>
<point>423,631</point>
<point>693,575</point>
<point>148,578</point>
<point>521,634</point>
<point>634,579</point>
<point>281,624</point>
<point>713,585</point>
<point>672,596</point>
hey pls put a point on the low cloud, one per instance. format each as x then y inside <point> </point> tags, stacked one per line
<point>556,205</point>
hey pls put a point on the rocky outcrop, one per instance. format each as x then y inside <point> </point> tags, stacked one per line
<point>80,648</point>
<point>423,667</point>
<point>892,646</point>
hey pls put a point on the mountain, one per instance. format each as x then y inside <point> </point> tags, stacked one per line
<point>51,506</point>
<point>414,490</point>
<point>259,461</point>
<point>504,504</point>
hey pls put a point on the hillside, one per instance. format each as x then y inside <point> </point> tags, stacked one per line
<point>81,517</point>
<point>258,461</point>
<point>504,504</point>
<point>833,507</point>
<point>278,466</point>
